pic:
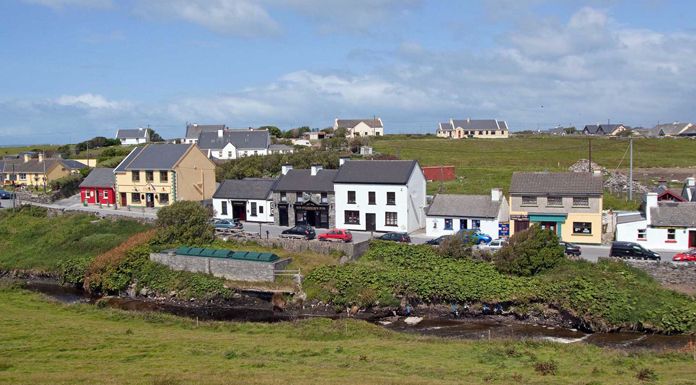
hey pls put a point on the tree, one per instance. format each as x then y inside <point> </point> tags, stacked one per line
<point>184,222</point>
<point>340,132</point>
<point>154,136</point>
<point>530,252</point>
<point>273,130</point>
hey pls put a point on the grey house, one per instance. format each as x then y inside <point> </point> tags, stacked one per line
<point>305,196</point>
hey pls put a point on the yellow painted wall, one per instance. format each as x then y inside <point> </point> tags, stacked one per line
<point>567,228</point>
<point>125,184</point>
<point>195,176</point>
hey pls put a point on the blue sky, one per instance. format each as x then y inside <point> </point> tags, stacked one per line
<point>73,69</point>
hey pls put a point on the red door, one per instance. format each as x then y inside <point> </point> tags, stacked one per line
<point>124,200</point>
<point>692,238</point>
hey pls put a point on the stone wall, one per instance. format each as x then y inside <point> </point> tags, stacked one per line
<point>680,277</point>
<point>352,250</point>
<point>232,269</point>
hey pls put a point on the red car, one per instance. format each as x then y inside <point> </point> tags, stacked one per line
<point>687,256</point>
<point>336,235</point>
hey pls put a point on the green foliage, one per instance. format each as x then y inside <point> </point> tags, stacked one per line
<point>184,222</point>
<point>111,162</point>
<point>273,131</point>
<point>270,165</point>
<point>456,247</point>
<point>67,185</point>
<point>154,136</point>
<point>530,252</point>
<point>72,269</point>
<point>96,142</point>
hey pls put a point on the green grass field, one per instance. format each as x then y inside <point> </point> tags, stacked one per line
<point>50,343</point>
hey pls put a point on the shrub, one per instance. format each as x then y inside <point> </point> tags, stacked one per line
<point>184,222</point>
<point>66,186</point>
<point>530,252</point>
<point>456,247</point>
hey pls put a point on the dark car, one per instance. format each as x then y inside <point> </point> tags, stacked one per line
<point>299,231</point>
<point>396,237</point>
<point>632,250</point>
<point>437,241</point>
<point>6,194</point>
<point>571,248</point>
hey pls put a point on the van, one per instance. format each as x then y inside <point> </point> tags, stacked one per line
<point>632,250</point>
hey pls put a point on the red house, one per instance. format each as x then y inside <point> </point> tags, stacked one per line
<point>98,187</point>
<point>439,173</point>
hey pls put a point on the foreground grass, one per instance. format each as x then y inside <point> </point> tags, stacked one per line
<point>45,342</point>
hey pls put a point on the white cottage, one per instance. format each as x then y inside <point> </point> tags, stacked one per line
<point>380,195</point>
<point>133,137</point>
<point>360,127</point>
<point>247,199</point>
<point>450,213</point>
<point>233,144</point>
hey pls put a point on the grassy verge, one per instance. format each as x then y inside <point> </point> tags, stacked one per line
<point>153,348</point>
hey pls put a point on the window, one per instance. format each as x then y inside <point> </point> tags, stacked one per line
<point>106,194</point>
<point>642,234</point>
<point>135,197</point>
<point>22,176</point>
<point>391,198</point>
<point>582,228</point>
<point>475,223</point>
<point>256,152</point>
<point>219,154</point>
<point>229,154</point>
<point>448,223</point>
<point>351,196</point>
<point>671,234</point>
<point>149,176</point>
<point>253,209</point>
<point>223,208</point>
<point>554,201</point>
<point>299,197</point>
<point>529,201</point>
<point>352,217</point>
<point>164,198</point>
<point>135,177</point>
<point>371,198</point>
<point>462,224</point>
<point>164,176</point>
<point>324,197</point>
<point>480,132</point>
<point>390,219</point>
<point>581,202</point>
<point>261,209</point>
<point>283,197</point>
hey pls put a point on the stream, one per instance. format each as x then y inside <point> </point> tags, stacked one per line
<point>470,329</point>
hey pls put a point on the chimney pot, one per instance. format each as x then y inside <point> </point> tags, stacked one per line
<point>26,157</point>
<point>650,202</point>
<point>41,157</point>
<point>342,160</point>
<point>691,181</point>
<point>496,194</point>
<point>285,168</point>
<point>316,168</point>
<point>219,132</point>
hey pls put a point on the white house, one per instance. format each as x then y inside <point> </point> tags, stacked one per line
<point>245,199</point>
<point>194,131</point>
<point>450,213</point>
<point>662,225</point>
<point>473,128</point>
<point>380,195</point>
<point>360,127</point>
<point>233,144</point>
<point>134,136</point>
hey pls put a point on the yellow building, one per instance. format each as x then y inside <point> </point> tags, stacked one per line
<point>36,172</point>
<point>570,204</point>
<point>157,175</point>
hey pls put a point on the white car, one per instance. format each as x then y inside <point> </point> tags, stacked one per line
<point>494,245</point>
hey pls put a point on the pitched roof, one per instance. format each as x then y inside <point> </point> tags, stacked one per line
<point>278,147</point>
<point>561,183</point>
<point>302,180</point>
<point>350,123</point>
<point>32,166</point>
<point>153,157</point>
<point>376,171</point>
<point>100,177</point>
<point>457,205</point>
<point>669,129</point>
<point>131,133</point>
<point>594,129</point>
<point>479,124</point>
<point>248,188</point>
<point>446,126</point>
<point>677,214</point>
<point>193,130</point>
<point>241,139</point>
<point>629,218</point>
<point>73,164</point>
<point>610,128</point>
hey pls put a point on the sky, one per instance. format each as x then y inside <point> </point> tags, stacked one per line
<point>74,69</point>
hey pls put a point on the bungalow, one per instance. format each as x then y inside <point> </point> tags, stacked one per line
<point>445,130</point>
<point>159,174</point>
<point>360,127</point>
<point>233,144</point>
<point>249,199</point>
<point>133,137</point>
<point>305,196</point>
<point>479,128</point>
<point>194,131</point>
<point>450,213</point>
<point>604,129</point>
<point>37,172</point>
<point>99,187</point>
<point>280,149</point>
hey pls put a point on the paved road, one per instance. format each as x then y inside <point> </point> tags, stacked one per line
<point>591,253</point>
<point>358,236</point>
<point>6,204</point>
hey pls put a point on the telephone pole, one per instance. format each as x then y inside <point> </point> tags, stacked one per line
<point>589,166</point>
<point>630,170</point>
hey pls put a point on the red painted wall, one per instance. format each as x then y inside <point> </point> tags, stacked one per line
<point>439,173</point>
<point>99,192</point>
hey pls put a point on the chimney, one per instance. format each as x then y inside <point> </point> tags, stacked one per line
<point>496,194</point>
<point>41,157</point>
<point>219,133</point>
<point>690,181</point>
<point>316,168</point>
<point>342,160</point>
<point>27,158</point>
<point>285,168</point>
<point>650,202</point>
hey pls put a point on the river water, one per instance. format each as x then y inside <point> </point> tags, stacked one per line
<point>470,329</point>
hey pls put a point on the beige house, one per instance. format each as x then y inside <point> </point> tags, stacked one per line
<point>36,172</point>
<point>160,174</point>
<point>473,128</point>
<point>360,127</point>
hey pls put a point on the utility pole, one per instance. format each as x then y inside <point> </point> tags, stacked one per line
<point>589,166</point>
<point>630,170</point>
<point>43,158</point>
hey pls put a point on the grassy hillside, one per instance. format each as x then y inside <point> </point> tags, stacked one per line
<point>84,344</point>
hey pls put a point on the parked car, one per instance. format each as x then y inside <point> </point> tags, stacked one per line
<point>6,194</point>
<point>437,241</point>
<point>687,256</point>
<point>228,224</point>
<point>336,235</point>
<point>474,236</point>
<point>571,248</point>
<point>632,250</point>
<point>300,231</point>
<point>493,245</point>
<point>396,237</point>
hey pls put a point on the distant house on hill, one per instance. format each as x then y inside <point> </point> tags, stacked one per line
<point>233,144</point>
<point>133,136</point>
<point>360,127</point>
<point>444,130</point>
<point>674,129</point>
<point>473,128</point>
<point>604,129</point>
<point>194,131</point>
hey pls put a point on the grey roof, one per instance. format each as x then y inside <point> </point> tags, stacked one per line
<point>685,194</point>
<point>131,134</point>
<point>193,130</point>
<point>350,123</point>
<point>479,124</point>
<point>560,183</point>
<point>154,157</point>
<point>609,128</point>
<point>279,147</point>
<point>669,129</point>
<point>100,177</point>
<point>249,188</point>
<point>593,129</point>
<point>455,205</point>
<point>677,214</point>
<point>73,164</point>
<point>446,126</point>
<point>376,171</point>
<point>302,180</point>
<point>241,139</point>
<point>691,131</point>
<point>628,218</point>
<point>32,166</point>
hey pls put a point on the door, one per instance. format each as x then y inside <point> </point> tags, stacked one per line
<point>124,200</point>
<point>692,238</point>
<point>521,226</point>
<point>549,226</point>
<point>150,200</point>
<point>370,222</point>
<point>239,210</point>
<point>283,215</point>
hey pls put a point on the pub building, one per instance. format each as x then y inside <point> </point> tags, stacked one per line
<point>305,196</point>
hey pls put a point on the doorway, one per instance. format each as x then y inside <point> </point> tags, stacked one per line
<point>521,226</point>
<point>239,210</point>
<point>692,238</point>
<point>283,215</point>
<point>149,200</point>
<point>370,222</point>
<point>549,226</point>
<point>124,200</point>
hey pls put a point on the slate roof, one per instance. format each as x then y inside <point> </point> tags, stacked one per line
<point>153,157</point>
<point>609,128</point>
<point>677,214</point>
<point>376,171</point>
<point>248,188</point>
<point>556,183</point>
<point>73,164</point>
<point>593,129</point>
<point>135,133</point>
<point>350,123</point>
<point>457,205</point>
<point>669,129</point>
<point>279,147</point>
<point>193,130</point>
<point>302,180</point>
<point>446,126</point>
<point>479,124</point>
<point>241,139</point>
<point>629,218</point>
<point>100,177</point>
<point>33,165</point>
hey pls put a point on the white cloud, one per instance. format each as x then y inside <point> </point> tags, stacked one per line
<point>59,4</point>
<point>90,101</point>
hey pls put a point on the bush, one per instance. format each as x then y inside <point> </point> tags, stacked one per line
<point>185,222</point>
<point>67,185</point>
<point>530,252</point>
<point>456,247</point>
